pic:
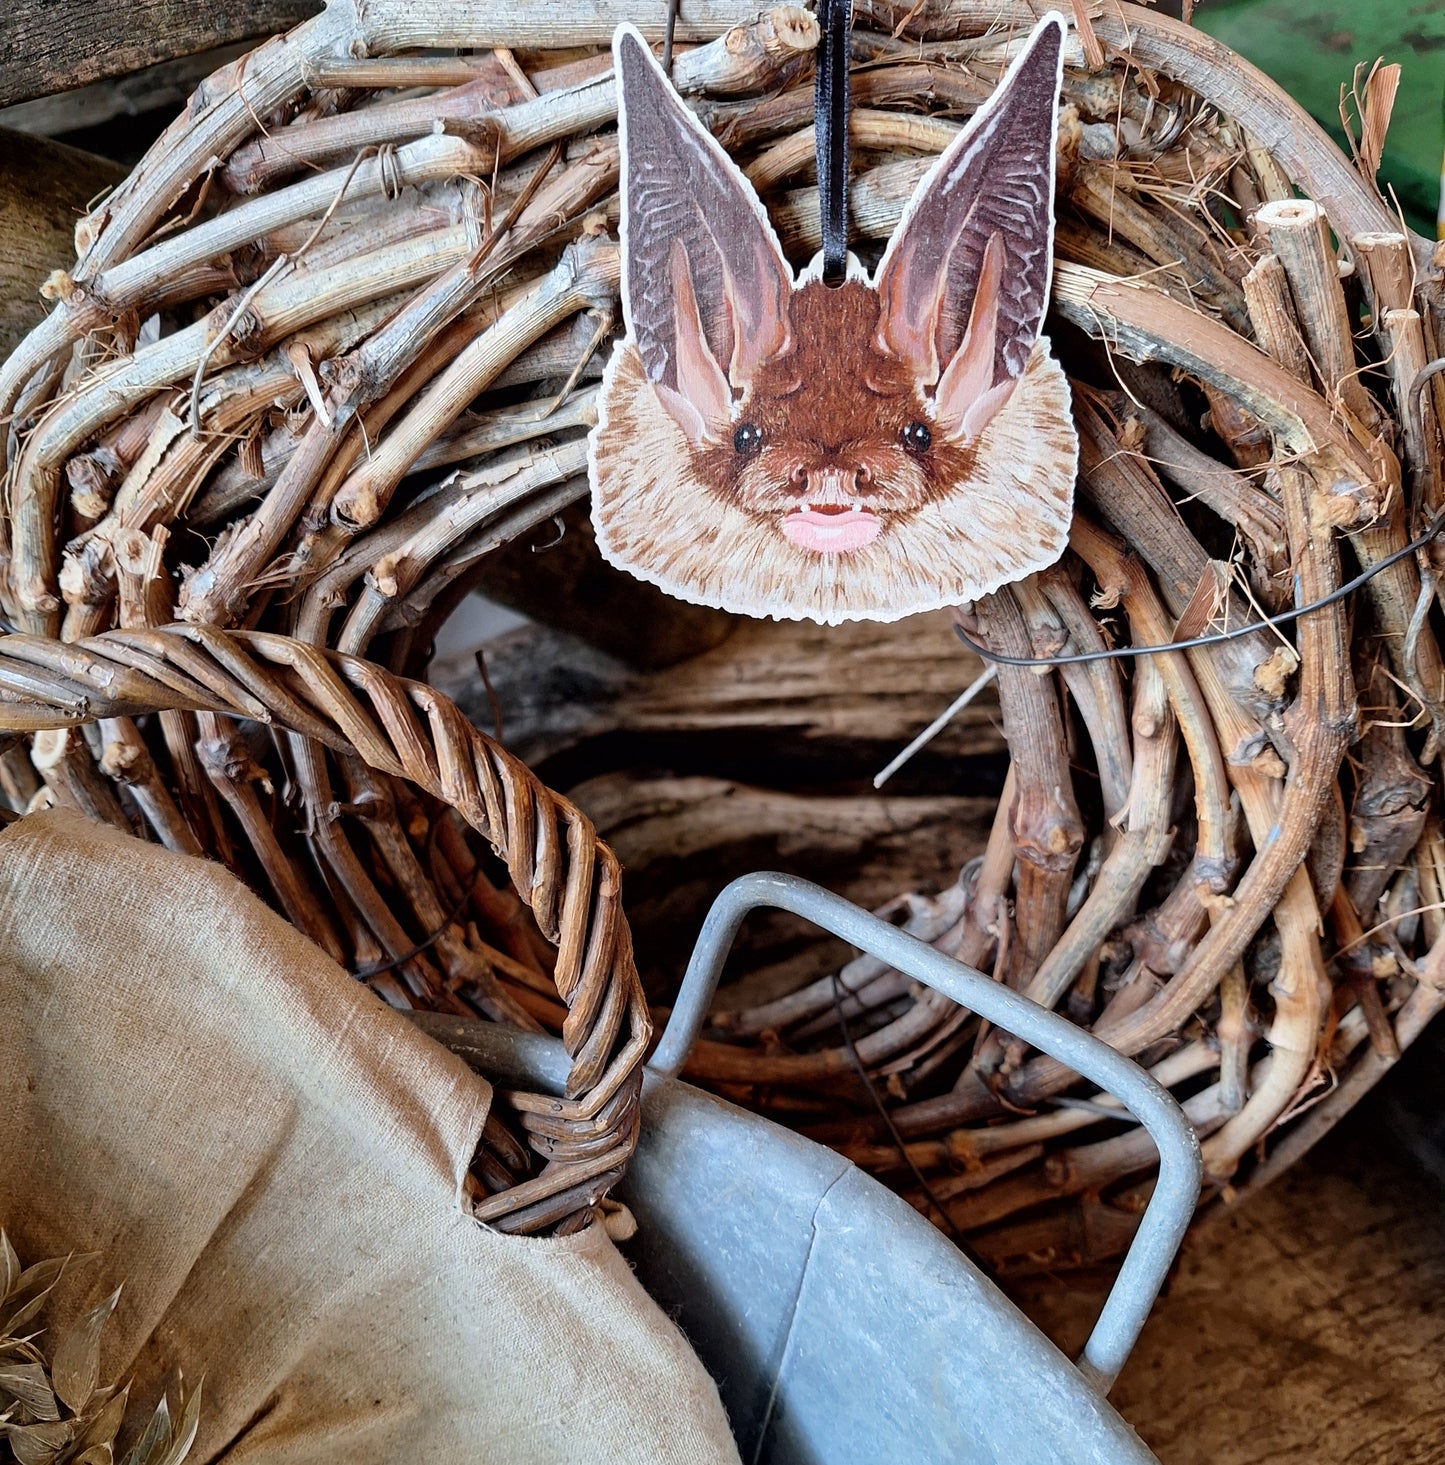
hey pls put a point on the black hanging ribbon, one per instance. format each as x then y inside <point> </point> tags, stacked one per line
<point>830,120</point>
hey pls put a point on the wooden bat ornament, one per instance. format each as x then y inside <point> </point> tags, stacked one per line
<point>784,447</point>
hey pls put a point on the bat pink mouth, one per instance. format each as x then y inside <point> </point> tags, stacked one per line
<point>830,530</point>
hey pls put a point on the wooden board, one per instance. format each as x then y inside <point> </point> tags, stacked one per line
<point>158,89</point>
<point>805,704</point>
<point>1307,1326</point>
<point>569,585</point>
<point>682,839</point>
<point>53,45</point>
<point>44,188</point>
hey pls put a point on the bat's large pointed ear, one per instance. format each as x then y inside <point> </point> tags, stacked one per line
<point>705,290</point>
<point>965,279</point>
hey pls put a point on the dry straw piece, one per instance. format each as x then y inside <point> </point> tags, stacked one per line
<point>383,245</point>
<point>53,1408</point>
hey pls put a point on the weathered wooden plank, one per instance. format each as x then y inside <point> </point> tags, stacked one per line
<point>49,46</point>
<point>157,89</point>
<point>44,188</point>
<point>1308,1324</point>
<point>807,706</point>
<point>681,840</point>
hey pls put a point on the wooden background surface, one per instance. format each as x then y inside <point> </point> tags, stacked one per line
<point>1308,1326</point>
<point>52,45</point>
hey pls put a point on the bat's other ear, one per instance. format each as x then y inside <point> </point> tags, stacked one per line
<point>965,279</point>
<point>705,289</point>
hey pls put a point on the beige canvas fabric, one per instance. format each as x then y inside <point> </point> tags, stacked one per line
<point>271,1159</point>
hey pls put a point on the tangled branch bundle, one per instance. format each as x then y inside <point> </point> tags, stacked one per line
<point>332,343</point>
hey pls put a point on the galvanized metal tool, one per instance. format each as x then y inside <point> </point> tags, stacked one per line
<point>840,1325</point>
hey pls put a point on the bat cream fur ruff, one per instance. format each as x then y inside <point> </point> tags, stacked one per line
<point>783,447</point>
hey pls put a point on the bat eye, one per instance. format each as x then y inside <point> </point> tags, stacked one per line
<point>748,439</point>
<point>917,438</point>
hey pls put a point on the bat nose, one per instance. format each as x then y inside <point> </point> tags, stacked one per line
<point>822,480</point>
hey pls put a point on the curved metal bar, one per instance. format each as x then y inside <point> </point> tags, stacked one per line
<point>1180,1169</point>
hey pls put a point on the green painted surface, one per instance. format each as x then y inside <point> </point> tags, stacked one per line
<point>1311,49</point>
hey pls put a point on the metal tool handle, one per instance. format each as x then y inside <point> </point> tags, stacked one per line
<point>1180,1167</point>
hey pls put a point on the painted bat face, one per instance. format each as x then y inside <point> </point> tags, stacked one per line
<point>833,459</point>
<point>779,446</point>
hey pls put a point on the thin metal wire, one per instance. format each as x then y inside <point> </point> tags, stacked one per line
<point>1423,377</point>
<point>371,969</point>
<point>1119,653</point>
<point>898,1141</point>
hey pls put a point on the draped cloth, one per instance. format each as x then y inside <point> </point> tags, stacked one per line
<point>272,1161</point>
